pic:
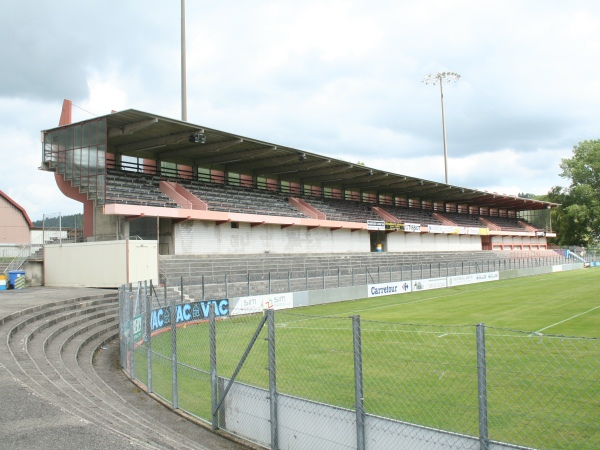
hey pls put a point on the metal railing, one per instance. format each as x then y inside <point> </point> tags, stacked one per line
<point>200,286</point>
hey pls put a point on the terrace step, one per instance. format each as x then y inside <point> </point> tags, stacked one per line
<point>51,350</point>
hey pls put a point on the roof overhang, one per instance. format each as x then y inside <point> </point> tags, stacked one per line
<point>139,134</point>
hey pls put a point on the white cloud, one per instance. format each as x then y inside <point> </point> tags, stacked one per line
<point>330,76</point>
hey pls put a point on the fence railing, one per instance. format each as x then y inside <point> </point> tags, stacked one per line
<point>226,285</point>
<point>283,379</point>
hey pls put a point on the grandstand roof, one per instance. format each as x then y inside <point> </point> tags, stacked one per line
<point>143,135</point>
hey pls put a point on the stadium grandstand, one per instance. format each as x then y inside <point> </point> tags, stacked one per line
<point>202,191</point>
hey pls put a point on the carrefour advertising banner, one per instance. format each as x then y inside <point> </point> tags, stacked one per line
<point>187,312</point>
<point>396,287</point>
<point>258,303</point>
<point>461,280</point>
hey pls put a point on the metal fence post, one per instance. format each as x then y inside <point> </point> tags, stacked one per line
<point>248,284</point>
<point>148,337</point>
<point>214,379</point>
<point>272,379</point>
<point>269,282</point>
<point>131,340</point>
<point>173,320</point>
<point>226,286</point>
<point>358,384</point>
<point>482,388</point>
<point>352,275</point>
<point>338,277</point>
<point>323,279</point>
<point>203,294</point>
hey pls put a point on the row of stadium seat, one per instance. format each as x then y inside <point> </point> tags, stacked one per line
<point>142,189</point>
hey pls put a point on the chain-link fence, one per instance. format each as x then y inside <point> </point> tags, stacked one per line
<point>283,379</point>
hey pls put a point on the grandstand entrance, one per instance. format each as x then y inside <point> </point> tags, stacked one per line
<point>486,243</point>
<point>378,241</point>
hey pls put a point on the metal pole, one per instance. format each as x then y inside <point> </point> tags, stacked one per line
<point>272,379</point>
<point>482,388</point>
<point>358,384</point>
<point>148,337</point>
<point>183,66</point>
<point>173,320</point>
<point>226,286</point>
<point>214,388</point>
<point>444,132</point>
<point>131,340</point>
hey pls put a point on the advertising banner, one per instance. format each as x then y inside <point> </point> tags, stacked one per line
<point>396,287</point>
<point>187,312</point>
<point>428,283</point>
<point>460,280</point>
<point>258,303</point>
<point>394,226</point>
<point>449,229</point>
<point>412,228</point>
<point>375,225</point>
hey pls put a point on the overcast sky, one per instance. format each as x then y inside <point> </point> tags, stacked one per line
<point>340,78</point>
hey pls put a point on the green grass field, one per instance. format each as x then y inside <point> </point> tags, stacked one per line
<point>543,388</point>
<point>564,303</point>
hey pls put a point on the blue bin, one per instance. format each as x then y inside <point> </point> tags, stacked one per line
<point>14,279</point>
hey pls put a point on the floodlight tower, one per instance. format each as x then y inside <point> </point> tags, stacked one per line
<point>439,77</point>
<point>183,66</point>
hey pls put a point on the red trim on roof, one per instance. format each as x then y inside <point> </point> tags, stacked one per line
<point>19,207</point>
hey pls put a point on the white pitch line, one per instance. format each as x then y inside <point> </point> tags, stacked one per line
<point>566,320</point>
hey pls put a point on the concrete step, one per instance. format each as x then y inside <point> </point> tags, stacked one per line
<point>51,350</point>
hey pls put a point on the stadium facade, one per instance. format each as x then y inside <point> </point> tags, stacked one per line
<point>202,191</point>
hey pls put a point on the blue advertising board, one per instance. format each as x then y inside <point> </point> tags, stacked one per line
<point>187,312</point>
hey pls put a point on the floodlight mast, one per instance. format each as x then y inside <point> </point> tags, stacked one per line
<point>439,77</point>
<point>183,66</point>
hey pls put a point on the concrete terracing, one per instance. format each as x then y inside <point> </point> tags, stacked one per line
<point>60,384</point>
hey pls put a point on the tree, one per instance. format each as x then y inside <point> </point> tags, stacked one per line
<point>578,223</point>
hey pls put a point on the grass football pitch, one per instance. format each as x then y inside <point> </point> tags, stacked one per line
<point>563,303</point>
<point>543,387</point>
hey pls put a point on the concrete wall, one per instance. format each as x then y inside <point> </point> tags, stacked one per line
<point>416,242</point>
<point>100,264</point>
<point>203,237</point>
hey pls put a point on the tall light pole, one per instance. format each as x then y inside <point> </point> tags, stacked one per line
<point>183,75</point>
<point>439,77</point>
